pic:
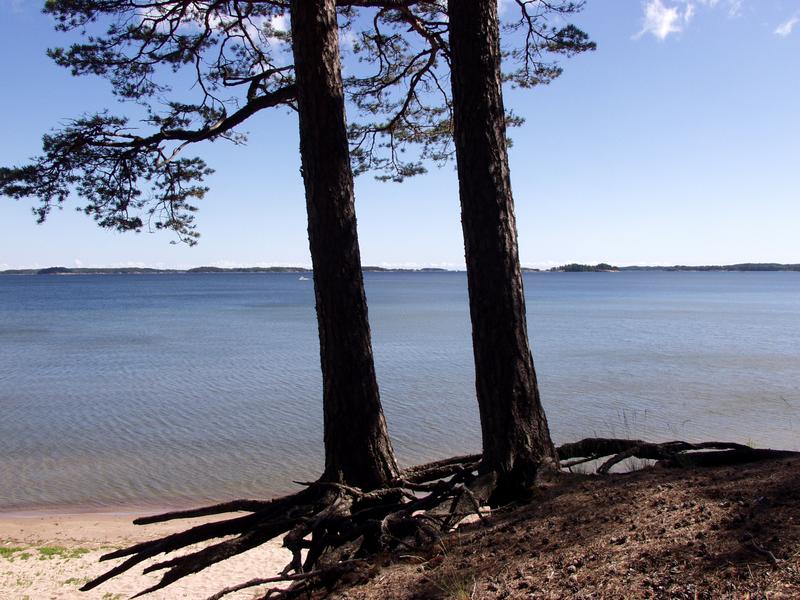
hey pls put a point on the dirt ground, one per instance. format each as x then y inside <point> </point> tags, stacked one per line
<point>705,533</point>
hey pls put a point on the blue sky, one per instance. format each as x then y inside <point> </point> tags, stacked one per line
<point>678,141</point>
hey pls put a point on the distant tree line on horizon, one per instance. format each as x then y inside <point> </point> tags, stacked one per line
<point>736,267</point>
<point>569,268</point>
<point>578,268</point>
<point>605,267</point>
<point>153,271</point>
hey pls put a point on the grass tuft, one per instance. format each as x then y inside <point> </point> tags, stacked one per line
<point>7,551</point>
<point>453,583</point>
<point>50,552</point>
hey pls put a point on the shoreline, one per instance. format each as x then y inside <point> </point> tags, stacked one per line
<point>655,532</point>
<point>571,268</point>
<point>122,510</point>
<point>132,512</point>
<point>51,555</point>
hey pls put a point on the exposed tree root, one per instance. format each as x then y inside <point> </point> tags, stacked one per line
<point>215,509</point>
<point>334,524</point>
<point>332,529</point>
<point>670,454</point>
<point>301,580</point>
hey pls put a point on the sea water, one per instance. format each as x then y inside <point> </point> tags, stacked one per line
<point>161,390</point>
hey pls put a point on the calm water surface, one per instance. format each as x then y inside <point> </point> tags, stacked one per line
<point>172,389</point>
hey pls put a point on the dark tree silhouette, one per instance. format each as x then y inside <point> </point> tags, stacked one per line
<point>469,116</point>
<point>357,447</point>
<point>132,177</point>
<point>129,179</point>
<point>405,99</point>
<point>516,438</point>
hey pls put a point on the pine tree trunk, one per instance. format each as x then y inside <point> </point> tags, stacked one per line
<point>516,438</point>
<point>357,446</point>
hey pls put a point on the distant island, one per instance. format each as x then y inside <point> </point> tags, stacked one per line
<point>607,268</point>
<point>737,267</point>
<point>149,271</point>
<point>569,268</point>
<point>576,268</point>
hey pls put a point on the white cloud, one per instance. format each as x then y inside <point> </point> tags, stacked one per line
<point>661,20</point>
<point>735,7</point>
<point>348,40</point>
<point>785,29</point>
<point>687,16</point>
<point>664,17</point>
<point>280,22</point>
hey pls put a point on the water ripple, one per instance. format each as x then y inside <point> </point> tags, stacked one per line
<point>138,390</point>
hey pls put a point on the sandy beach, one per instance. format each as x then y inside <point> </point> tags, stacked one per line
<point>49,556</point>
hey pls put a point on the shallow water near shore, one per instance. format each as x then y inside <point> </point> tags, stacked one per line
<point>156,390</point>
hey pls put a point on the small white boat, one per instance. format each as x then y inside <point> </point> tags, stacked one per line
<point>301,278</point>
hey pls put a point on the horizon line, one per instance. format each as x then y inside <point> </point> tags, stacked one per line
<point>387,267</point>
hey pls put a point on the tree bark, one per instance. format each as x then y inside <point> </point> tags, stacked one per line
<point>357,447</point>
<point>516,438</point>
